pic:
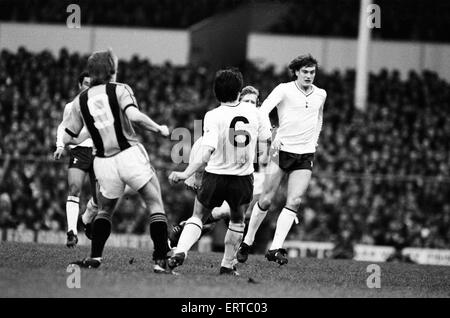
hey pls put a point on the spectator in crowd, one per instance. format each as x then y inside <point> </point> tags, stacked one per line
<point>383,174</point>
<point>416,20</point>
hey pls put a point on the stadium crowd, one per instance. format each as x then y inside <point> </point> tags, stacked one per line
<point>381,176</point>
<point>414,20</point>
<point>148,13</point>
<point>417,20</point>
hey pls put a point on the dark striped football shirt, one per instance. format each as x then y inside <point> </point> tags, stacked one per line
<point>102,109</point>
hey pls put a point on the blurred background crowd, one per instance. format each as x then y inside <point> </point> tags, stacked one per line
<point>380,176</point>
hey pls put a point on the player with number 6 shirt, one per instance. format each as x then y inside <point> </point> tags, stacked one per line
<point>231,132</point>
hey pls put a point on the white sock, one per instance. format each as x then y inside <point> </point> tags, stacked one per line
<point>233,239</point>
<point>284,224</point>
<point>72,210</point>
<point>190,235</point>
<point>256,219</point>
<point>90,213</point>
<point>221,212</point>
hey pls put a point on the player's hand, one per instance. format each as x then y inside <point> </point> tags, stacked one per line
<point>193,183</point>
<point>276,144</point>
<point>263,159</point>
<point>176,177</point>
<point>164,130</point>
<point>58,153</point>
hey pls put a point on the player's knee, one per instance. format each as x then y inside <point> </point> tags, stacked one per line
<point>265,201</point>
<point>154,207</point>
<point>105,215</point>
<point>92,205</point>
<point>293,203</point>
<point>237,218</point>
<point>74,190</point>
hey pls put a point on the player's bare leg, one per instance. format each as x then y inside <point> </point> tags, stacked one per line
<point>297,184</point>
<point>91,208</point>
<point>191,233</point>
<point>101,229</point>
<point>271,183</point>
<point>75,179</point>
<point>233,239</point>
<point>151,194</point>
<point>248,212</point>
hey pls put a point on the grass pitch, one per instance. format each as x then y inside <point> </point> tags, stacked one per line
<point>37,270</point>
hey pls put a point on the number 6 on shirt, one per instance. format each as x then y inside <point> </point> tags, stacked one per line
<point>233,133</point>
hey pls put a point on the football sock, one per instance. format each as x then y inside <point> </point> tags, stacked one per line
<point>284,224</point>
<point>256,219</point>
<point>100,233</point>
<point>159,235</point>
<point>72,210</point>
<point>233,239</point>
<point>190,235</point>
<point>90,213</point>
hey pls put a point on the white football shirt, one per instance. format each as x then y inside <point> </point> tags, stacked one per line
<point>300,116</point>
<point>233,132</point>
<point>60,131</point>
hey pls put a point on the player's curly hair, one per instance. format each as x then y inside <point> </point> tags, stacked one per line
<point>301,61</point>
<point>102,65</point>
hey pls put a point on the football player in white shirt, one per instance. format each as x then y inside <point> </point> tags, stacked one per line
<point>249,94</point>
<point>231,132</point>
<point>80,165</point>
<point>300,112</point>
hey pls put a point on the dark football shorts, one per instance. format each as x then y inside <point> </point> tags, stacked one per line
<point>81,158</point>
<point>215,188</point>
<point>289,161</point>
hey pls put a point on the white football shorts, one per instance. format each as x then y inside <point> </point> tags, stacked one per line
<point>130,167</point>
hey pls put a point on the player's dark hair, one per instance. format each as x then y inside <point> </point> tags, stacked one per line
<point>227,85</point>
<point>102,65</point>
<point>82,76</point>
<point>302,61</point>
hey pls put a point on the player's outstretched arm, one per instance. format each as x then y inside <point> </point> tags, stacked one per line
<point>69,128</point>
<point>194,181</point>
<point>60,134</point>
<point>142,120</point>
<point>193,166</point>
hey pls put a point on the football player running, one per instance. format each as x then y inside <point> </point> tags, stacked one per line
<point>108,110</point>
<point>231,132</point>
<point>80,165</point>
<point>250,95</point>
<point>300,110</point>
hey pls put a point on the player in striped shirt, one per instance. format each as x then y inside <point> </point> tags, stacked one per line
<point>80,165</point>
<point>109,110</point>
<point>300,114</point>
